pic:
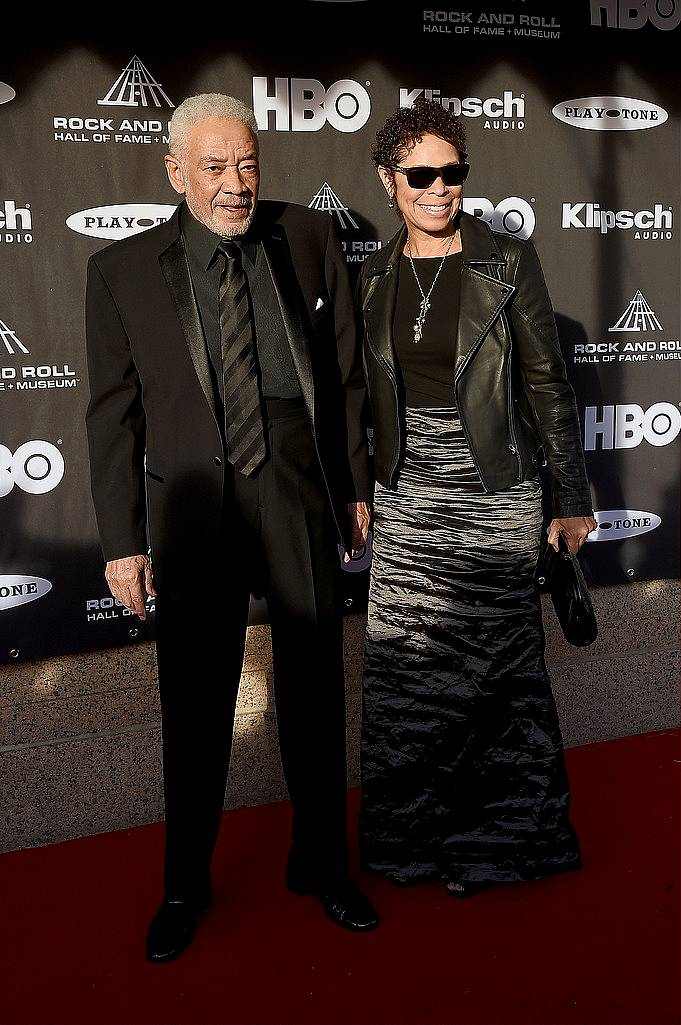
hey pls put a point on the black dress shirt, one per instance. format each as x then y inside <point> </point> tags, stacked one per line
<point>278,377</point>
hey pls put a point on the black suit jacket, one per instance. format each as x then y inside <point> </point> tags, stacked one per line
<point>156,453</point>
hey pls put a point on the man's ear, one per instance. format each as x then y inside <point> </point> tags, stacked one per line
<point>175,173</point>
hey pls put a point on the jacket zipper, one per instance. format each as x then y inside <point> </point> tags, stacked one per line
<point>396,439</point>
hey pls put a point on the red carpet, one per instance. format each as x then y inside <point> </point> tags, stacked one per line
<point>596,947</point>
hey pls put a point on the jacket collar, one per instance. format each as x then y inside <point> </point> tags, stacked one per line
<point>478,242</point>
<point>484,293</point>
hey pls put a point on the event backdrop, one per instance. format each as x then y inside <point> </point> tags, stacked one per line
<point>572,118</point>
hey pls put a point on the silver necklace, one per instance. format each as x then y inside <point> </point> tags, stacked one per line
<point>425,303</point>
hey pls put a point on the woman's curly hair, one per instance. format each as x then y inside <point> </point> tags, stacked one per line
<point>408,125</point>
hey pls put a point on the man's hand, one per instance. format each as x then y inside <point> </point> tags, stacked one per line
<point>130,581</point>
<point>576,529</point>
<point>360,518</point>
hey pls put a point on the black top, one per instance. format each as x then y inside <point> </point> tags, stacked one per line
<point>428,365</point>
<point>278,377</point>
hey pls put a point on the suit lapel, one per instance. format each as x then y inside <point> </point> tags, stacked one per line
<point>175,268</point>
<point>291,303</point>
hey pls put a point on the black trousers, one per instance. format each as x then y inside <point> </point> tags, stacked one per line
<point>279,541</point>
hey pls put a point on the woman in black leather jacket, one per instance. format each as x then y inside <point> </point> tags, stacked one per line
<point>462,760</point>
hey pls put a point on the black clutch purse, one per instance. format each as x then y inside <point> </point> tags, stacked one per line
<point>560,574</point>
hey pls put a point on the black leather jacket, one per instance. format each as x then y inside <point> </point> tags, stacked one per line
<point>515,403</point>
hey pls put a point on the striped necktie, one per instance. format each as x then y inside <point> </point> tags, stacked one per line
<point>244,425</point>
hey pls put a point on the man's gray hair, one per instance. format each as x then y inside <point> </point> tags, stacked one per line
<point>206,105</point>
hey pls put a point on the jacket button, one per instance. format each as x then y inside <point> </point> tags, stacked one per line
<point>217,460</point>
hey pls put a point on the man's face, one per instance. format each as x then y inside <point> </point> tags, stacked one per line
<point>218,173</point>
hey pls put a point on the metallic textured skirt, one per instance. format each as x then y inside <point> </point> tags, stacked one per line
<point>463,776</point>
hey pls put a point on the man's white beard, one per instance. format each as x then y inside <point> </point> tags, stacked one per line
<point>218,227</point>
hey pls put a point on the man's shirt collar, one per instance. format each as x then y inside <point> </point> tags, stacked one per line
<point>203,243</point>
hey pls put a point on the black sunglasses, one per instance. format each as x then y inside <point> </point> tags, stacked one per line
<point>423,177</point>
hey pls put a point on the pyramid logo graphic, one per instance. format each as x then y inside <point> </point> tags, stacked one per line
<point>638,316</point>
<point>135,87</point>
<point>326,199</point>
<point>11,342</point>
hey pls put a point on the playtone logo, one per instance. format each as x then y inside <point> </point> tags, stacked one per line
<point>627,425</point>
<point>610,113</point>
<point>305,105</point>
<point>662,14</point>
<point>617,524</point>
<point>20,590</point>
<point>119,221</point>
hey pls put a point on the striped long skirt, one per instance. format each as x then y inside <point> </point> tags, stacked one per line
<point>463,776</point>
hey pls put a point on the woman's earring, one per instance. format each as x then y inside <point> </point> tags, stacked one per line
<point>391,203</point>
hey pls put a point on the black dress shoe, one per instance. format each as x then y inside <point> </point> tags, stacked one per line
<point>172,929</point>
<point>343,901</point>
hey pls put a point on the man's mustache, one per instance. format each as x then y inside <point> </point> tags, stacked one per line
<point>236,205</point>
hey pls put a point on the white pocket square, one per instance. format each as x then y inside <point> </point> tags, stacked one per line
<point>320,303</point>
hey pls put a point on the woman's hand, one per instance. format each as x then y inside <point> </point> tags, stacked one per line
<point>575,529</point>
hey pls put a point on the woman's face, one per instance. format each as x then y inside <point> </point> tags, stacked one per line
<point>429,210</point>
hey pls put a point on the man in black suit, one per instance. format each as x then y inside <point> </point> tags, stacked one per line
<point>225,431</point>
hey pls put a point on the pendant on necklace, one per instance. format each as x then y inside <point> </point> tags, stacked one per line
<point>420,321</point>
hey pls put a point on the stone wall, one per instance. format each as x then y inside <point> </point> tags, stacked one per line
<point>80,745</point>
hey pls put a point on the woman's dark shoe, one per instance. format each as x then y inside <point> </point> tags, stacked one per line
<point>463,890</point>
<point>172,929</point>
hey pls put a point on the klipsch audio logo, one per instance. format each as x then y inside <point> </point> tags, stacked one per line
<point>628,425</point>
<point>119,221</point>
<point>610,113</point>
<point>617,524</point>
<point>36,468</point>
<point>656,224</point>
<point>21,376</point>
<point>7,93</point>
<point>503,112</point>
<point>305,105</point>
<point>134,88</point>
<point>19,590</point>
<point>662,14</point>
<point>513,216</point>
<point>16,223</point>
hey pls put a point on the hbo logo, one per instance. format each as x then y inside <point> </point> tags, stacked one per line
<point>36,467</point>
<point>304,105</point>
<point>514,216</point>
<point>626,426</point>
<point>663,14</point>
